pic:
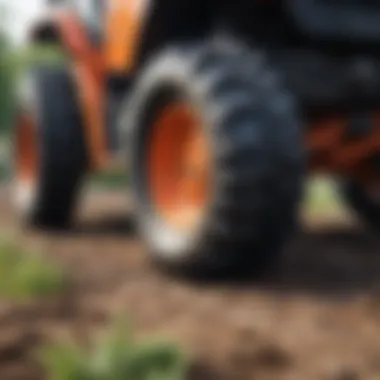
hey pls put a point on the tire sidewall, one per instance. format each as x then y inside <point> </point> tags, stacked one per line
<point>166,243</point>
<point>60,144</point>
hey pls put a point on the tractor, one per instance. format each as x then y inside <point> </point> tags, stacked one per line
<point>217,109</point>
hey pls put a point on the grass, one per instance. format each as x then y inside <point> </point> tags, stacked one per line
<point>27,275</point>
<point>110,180</point>
<point>115,357</point>
<point>322,198</point>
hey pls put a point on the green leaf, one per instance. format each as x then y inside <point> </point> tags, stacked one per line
<point>65,362</point>
<point>117,357</point>
<point>112,356</point>
<point>26,275</point>
<point>157,361</point>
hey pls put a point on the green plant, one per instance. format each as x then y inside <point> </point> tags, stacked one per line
<point>27,275</point>
<point>322,197</point>
<point>13,63</point>
<point>117,357</point>
<point>6,95</point>
<point>109,180</point>
<point>38,53</point>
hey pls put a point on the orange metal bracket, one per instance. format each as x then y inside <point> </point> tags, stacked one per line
<point>125,22</point>
<point>330,151</point>
<point>89,73</point>
<point>124,25</point>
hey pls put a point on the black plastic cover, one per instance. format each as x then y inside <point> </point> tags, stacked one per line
<point>355,19</point>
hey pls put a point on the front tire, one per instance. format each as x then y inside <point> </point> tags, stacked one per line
<point>50,155</point>
<point>249,161</point>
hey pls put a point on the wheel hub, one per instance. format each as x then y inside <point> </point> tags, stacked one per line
<point>26,157</point>
<point>178,172</point>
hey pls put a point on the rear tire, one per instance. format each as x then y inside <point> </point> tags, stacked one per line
<point>45,194</point>
<point>252,129</point>
<point>365,206</point>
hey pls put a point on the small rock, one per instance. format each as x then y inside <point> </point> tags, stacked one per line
<point>345,374</point>
<point>202,371</point>
<point>274,357</point>
<point>268,356</point>
<point>16,343</point>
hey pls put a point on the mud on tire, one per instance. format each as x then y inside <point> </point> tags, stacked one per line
<point>252,128</point>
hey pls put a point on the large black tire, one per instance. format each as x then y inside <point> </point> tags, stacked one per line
<point>257,151</point>
<point>365,205</point>
<point>49,96</point>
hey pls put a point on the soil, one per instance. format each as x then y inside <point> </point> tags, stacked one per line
<point>315,315</point>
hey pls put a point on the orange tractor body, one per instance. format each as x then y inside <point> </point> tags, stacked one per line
<point>124,25</point>
<point>325,53</point>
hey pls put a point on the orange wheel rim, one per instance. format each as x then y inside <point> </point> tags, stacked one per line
<point>26,159</point>
<point>179,166</point>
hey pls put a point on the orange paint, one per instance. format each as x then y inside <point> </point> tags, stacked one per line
<point>26,153</point>
<point>123,33</point>
<point>179,166</point>
<point>330,151</point>
<point>90,65</point>
<point>89,70</point>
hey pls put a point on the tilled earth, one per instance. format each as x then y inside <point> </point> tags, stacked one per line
<point>314,316</point>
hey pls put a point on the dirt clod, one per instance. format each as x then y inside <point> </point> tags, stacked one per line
<point>346,374</point>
